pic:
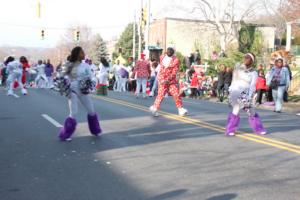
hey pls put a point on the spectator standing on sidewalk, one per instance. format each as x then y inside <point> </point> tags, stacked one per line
<point>221,79</point>
<point>4,75</point>
<point>156,65</point>
<point>142,73</point>
<point>124,78</point>
<point>227,80</point>
<point>279,82</point>
<point>286,95</point>
<point>194,83</point>
<point>269,90</point>
<point>260,86</point>
<point>49,69</point>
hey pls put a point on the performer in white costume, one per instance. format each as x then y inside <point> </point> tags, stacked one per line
<point>241,94</point>
<point>81,82</point>
<point>41,74</point>
<point>116,70</point>
<point>102,77</point>
<point>14,69</point>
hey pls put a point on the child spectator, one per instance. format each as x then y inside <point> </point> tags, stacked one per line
<point>194,84</point>
<point>261,86</point>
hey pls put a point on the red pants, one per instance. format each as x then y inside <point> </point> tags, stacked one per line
<point>173,90</point>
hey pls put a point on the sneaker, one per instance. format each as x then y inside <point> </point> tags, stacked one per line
<point>298,114</point>
<point>263,133</point>
<point>182,112</point>
<point>153,110</point>
<point>24,91</point>
<point>10,93</point>
<point>230,134</point>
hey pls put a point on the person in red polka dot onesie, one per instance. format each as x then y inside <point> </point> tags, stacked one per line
<point>167,82</point>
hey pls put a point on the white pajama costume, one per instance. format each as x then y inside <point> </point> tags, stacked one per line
<point>79,72</point>
<point>242,89</point>
<point>41,75</point>
<point>15,70</point>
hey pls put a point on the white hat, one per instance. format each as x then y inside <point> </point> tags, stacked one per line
<point>279,58</point>
<point>172,46</point>
<point>251,55</point>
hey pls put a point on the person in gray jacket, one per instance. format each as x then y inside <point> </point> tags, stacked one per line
<point>278,81</point>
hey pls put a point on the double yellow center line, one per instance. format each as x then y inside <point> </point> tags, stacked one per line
<point>252,137</point>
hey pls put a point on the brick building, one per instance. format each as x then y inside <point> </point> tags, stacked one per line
<point>188,35</point>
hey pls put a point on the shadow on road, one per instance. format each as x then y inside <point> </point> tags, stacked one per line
<point>223,197</point>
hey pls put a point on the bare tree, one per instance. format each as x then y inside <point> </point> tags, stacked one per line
<point>69,40</point>
<point>279,13</point>
<point>224,16</point>
<point>274,14</point>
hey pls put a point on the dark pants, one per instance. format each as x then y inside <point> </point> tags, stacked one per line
<point>223,90</point>
<point>151,81</point>
<point>269,95</point>
<point>285,96</point>
<point>4,78</point>
<point>194,93</point>
<point>260,95</point>
<point>132,86</point>
<point>220,92</point>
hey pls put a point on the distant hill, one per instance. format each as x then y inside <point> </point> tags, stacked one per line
<point>32,53</point>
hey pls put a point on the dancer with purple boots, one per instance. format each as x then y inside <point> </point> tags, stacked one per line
<point>241,94</point>
<point>78,81</point>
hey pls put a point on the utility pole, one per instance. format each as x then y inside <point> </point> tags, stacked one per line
<point>134,35</point>
<point>147,30</point>
<point>140,29</point>
<point>39,9</point>
<point>288,36</point>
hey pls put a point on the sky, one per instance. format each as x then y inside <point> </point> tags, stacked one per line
<point>20,25</point>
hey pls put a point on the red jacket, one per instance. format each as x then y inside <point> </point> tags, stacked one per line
<point>169,73</point>
<point>25,66</point>
<point>261,83</point>
<point>194,81</point>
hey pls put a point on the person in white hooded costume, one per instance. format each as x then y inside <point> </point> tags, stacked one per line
<point>41,74</point>
<point>14,69</point>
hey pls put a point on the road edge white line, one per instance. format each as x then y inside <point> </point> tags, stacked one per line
<point>52,121</point>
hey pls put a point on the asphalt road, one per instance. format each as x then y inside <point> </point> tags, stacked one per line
<point>139,157</point>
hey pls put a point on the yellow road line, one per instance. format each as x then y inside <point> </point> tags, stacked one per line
<point>252,137</point>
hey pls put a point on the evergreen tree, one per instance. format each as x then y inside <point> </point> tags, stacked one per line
<point>99,49</point>
<point>246,37</point>
<point>125,42</point>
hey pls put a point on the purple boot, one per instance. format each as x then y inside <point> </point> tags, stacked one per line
<point>68,129</point>
<point>256,125</point>
<point>232,124</point>
<point>94,125</point>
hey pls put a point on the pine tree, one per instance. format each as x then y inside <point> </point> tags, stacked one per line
<point>125,42</point>
<point>99,49</point>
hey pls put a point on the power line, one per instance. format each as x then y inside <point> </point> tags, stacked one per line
<point>57,28</point>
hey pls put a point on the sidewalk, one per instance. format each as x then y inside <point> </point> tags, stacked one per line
<point>290,107</point>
